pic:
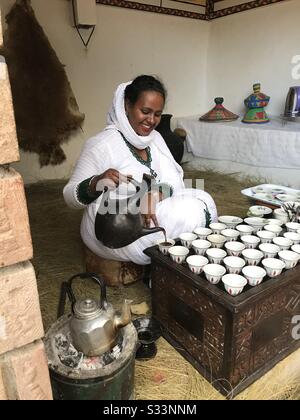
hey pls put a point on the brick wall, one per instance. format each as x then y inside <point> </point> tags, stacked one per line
<point>24,371</point>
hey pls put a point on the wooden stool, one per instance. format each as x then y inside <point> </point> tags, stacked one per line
<point>114,273</point>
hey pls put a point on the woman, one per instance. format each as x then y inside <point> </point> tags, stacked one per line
<point>128,147</point>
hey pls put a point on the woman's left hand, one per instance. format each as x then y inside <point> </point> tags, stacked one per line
<point>148,206</point>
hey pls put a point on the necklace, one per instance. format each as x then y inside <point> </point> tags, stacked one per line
<point>138,158</point>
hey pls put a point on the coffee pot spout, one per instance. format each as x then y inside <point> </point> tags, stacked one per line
<point>148,231</point>
<point>125,318</point>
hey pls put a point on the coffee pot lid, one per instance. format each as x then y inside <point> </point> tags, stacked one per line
<point>87,309</point>
<point>219,113</point>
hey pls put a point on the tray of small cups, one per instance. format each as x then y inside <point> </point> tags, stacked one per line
<point>233,252</point>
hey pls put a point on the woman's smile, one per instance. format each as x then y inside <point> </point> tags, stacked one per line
<point>144,116</point>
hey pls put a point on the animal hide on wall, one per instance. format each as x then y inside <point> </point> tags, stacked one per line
<point>46,110</point>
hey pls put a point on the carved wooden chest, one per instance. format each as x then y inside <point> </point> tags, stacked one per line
<point>231,341</point>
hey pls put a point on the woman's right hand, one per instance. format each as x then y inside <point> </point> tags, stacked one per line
<point>110,179</point>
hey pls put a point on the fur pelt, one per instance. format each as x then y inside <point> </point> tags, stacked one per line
<point>45,108</point>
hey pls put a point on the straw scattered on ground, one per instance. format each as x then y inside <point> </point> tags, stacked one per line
<point>58,254</point>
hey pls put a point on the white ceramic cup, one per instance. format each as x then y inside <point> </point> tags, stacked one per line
<point>293,236</point>
<point>196,263</point>
<point>200,246</point>
<point>178,253</point>
<point>217,241</point>
<point>202,232</point>
<point>269,250</point>
<point>230,221</point>
<point>254,274</point>
<point>273,266</point>
<point>214,272</point>
<point>252,256</point>
<point>250,241</point>
<point>163,247</point>
<point>245,229</point>
<point>217,227</point>
<point>230,234</point>
<point>187,238</point>
<point>296,248</point>
<point>290,258</point>
<point>234,248</point>
<point>216,255</point>
<point>274,229</point>
<point>292,226</point>
<point>283,243</point>
<point>234,283</point>
<point>265,236</point>
<point>234,265</point>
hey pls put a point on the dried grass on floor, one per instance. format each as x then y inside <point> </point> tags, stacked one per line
<point>58,255</point>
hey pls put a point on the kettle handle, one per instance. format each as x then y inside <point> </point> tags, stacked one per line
<point>66,289</point>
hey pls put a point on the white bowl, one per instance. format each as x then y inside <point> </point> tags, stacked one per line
<point>292,226</point>
<point>234,265</point>
<point>260,211</point>
<point>250,241</point>
<point>187,239</point>
<point>296,248</point>
<point>200,246</point>
<point>202,232</point>
<point>252,256</point>
<point>283,243</point>
<point>269,250</point>
<point>230,234</point>
<point>217,241</point>
<point>294,237</point>
<point>254,274</point>
<point>214,272</point>
<point>234,283</point>
<point>196,263</point>
<point>256,222</point>
<point>217,227</point>
<point>281,215</point>
<point>290,258</point>
<point>163,247</point>
<point>178,253</point>
<point>234,248</point>
<point>216,255</point>
<point>245,229</point>
<point>230,221</point>
<point>274,229</point>
<point>286,197</point>
<point>265,236</point>
<point>275,222</point>
<point>273,266</point>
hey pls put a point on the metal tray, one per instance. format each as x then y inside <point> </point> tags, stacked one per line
<point>274,195</point>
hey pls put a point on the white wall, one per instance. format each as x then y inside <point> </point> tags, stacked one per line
<point>254,46</point>
<point>126,43</point>
<point>197,60</point>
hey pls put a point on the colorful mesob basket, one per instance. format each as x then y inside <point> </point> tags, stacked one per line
<point>219,113</point>
<point>256,103</point>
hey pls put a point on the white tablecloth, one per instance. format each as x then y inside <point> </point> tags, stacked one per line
<point>270,145</point>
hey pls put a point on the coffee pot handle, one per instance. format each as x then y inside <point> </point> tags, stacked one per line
<point>66,289</point>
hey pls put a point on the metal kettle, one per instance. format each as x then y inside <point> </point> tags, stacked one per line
<point>118,221</point>
<point>94,325</point>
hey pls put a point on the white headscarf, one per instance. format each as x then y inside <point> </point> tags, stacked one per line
<point>117,120</point>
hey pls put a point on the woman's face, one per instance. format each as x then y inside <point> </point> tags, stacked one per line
<point>145,114</point>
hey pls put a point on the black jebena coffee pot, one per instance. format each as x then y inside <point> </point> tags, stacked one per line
<point>124,224</point>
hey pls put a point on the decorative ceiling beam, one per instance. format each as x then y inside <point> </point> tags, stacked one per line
<point>209,8</point>
<point>154,9</point>
<point>241,8</point>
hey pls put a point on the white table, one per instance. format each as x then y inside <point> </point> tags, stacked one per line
<point>270,151</point>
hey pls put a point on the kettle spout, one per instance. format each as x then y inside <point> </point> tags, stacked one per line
<point>148,231</point>
<point>125,318</point>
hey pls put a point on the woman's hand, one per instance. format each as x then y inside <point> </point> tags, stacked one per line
<point>148,206</point>
<point>110,179</point>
